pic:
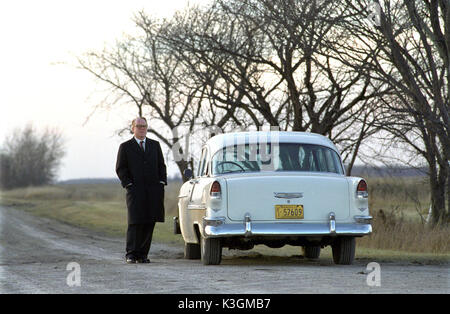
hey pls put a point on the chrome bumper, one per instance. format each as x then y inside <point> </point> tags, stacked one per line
<point>218,228</point>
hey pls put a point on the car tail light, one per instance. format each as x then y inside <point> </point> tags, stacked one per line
<point>215,190</point>
<point>361,190</point>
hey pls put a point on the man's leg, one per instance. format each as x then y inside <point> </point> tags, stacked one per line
<point>132,245</point>
<point>145,236</point>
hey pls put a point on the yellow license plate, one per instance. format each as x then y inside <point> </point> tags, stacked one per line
<point>289,211</point>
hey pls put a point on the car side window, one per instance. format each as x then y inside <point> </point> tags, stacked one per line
<point>202,164</point>
<point>205,164</point>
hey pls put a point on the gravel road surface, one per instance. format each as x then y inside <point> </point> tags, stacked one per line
<point>35,254</point>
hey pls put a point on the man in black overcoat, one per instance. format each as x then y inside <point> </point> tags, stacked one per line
<point>141,169</point>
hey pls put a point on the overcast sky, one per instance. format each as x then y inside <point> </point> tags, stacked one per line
<point>39,82</point>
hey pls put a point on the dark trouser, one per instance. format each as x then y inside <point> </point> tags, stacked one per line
<point>139,239</point>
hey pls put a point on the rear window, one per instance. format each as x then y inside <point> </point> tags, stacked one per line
<point>276,157</point>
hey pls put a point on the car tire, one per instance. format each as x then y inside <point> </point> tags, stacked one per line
<point>211,251</point>
<point>344,250</point>
<point>311,252</point>
<point>192,251</point>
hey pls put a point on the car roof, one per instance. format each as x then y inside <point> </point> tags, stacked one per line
<point>217,142</point>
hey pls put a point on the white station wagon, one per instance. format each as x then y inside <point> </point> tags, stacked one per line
<point>272,188</point>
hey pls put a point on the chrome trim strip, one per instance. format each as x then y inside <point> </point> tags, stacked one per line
<point>216,195</point>
<point>288,229</point>
<point>363,219</point>
<point>288,195</point>
<point>195,206</point>
<point>216,221</point>
<point>362,194</point>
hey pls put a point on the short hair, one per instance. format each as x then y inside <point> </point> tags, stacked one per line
<point>133,123</point>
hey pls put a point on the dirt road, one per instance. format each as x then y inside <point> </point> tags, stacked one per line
<point>35,254</point>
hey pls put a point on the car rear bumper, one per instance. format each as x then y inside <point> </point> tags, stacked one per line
<point>214,228</point>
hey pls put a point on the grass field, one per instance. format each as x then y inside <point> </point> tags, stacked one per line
<point>399,207</point>
<point>100,207</point>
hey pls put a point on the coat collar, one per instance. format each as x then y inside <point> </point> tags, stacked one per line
<point>137,148</point>
<point>138,140</point>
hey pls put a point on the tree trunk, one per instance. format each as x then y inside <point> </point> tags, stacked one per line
<point>448,200</point>
<point>438,189</point>
<point>182,165</point>
<point>438,212</point>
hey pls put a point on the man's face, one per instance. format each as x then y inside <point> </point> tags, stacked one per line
<point>140,129</point>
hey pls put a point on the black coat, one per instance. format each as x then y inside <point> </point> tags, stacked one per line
<point>145,197</point>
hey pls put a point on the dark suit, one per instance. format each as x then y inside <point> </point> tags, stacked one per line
<point>142,173</point>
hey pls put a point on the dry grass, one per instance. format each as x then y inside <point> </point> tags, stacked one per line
<point>99,207</point>
<point>91,193</point>
<point>395,232</point>
<point>399,207</point>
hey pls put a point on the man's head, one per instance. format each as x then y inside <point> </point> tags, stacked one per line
<point>139,128</point>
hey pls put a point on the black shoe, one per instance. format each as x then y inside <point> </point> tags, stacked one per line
<point>143,261</point>
<point>131,260</point>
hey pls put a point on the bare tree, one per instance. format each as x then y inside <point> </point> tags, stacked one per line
<point>272,56</point>
<point>29,158</point>
<point>143,72</point>
<point>408,48</point>
<point>243,63</point>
